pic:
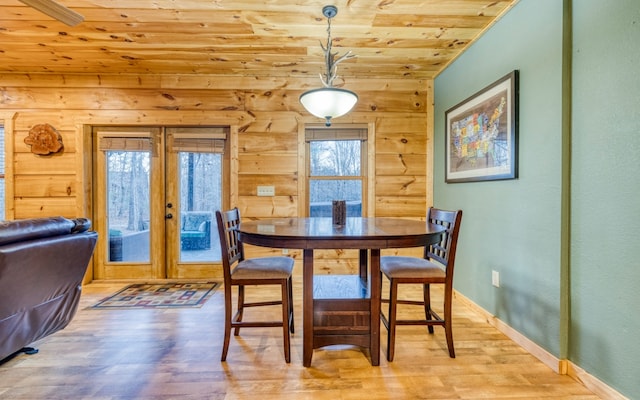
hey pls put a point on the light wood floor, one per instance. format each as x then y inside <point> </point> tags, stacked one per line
<point>171,354</point>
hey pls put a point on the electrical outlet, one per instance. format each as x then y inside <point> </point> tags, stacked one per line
<point>266,191</point>
<point>285,251</point>
<point>495,278</point>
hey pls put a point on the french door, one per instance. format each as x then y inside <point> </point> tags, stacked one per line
<point>156,190</point>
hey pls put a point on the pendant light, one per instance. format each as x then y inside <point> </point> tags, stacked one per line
<point>329,102</point>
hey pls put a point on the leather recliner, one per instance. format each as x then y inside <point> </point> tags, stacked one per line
<point>42,266</point>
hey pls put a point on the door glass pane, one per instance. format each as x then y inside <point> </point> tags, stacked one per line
<point>128,196</point>
<point>200,182</point>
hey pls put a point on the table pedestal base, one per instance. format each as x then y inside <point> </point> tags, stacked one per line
<point>341,311</point>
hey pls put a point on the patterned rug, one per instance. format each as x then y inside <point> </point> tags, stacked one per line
<point>161,295</point>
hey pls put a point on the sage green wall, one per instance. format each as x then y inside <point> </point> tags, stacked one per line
<point>514,226</point>
<point>605,230</point>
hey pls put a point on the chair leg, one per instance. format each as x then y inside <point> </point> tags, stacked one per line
<point>240,311</point>
<point>426,290</point>
<point>448,329</point>
<point>228,314</point>
<point>285,320</point>
<point>391,337</point>
<point>291,324</point>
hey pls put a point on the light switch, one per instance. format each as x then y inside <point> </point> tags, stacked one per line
<point>266,191</point>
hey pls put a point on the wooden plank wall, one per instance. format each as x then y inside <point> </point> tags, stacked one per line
<point>265,113</point>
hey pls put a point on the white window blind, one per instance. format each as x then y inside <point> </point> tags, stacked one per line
<point>197,140</point>
<point>124,141</point>
<point>312,134</point>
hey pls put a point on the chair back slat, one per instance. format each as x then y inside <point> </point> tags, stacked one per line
<point>232,248</point>
<point>444,251</point>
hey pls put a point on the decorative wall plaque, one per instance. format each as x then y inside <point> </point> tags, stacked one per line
<point>44,139</point>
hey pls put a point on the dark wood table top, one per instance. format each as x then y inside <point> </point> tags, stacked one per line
<point>321,233</point>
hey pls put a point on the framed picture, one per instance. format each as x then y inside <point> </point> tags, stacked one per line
<point>482,134</point>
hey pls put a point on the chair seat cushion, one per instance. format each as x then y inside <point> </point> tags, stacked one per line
<point>263,268</point>
<point>410,267</point>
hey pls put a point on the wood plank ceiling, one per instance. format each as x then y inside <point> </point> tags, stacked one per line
<point>254,39</point>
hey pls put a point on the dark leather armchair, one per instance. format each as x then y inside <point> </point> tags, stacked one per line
<point>42,265</point>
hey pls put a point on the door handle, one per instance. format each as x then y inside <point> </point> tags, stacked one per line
<point>169,216</point>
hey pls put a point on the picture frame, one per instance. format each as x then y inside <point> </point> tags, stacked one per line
<point>482,134</point>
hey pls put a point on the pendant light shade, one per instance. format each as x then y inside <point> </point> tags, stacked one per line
<point>329,102</point>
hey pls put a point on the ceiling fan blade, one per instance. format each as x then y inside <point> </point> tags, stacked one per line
<point>56,10</point>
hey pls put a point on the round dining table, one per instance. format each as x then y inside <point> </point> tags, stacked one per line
<point>330,317</point>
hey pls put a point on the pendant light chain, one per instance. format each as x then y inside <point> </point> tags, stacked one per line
<point>329,102</point>
<point>329,77</point>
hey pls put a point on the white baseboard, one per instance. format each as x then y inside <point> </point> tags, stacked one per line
<point>562,367</point>
<point>592,383</point>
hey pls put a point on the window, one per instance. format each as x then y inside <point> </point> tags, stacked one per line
<point>128,195</point>
<point>200,180</point>
<point>336,169</point>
